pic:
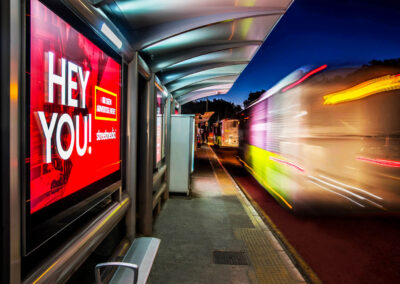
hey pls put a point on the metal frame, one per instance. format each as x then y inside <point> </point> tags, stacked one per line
<point>194,96</point>
<point>206,76</point>
<point>153,36</point>
<point>162,88</point>
<point>5,100</point>
<point>165,42</point>
<point>143,68</point>
<point>132,266</point>
<point>170,107</point>
<point>192,88</point>
<point>93,18</point>
<point>61,264</point>
<point>159,174</point>
<point>185,71</point>
<point>16,91</point>
<point>132,144</point>
<point>145,157</point>
<point>65,260</point>
<point>168,60</point>
<point>156,164</point>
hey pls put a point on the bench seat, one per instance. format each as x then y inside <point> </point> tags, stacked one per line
<point>136,264</point>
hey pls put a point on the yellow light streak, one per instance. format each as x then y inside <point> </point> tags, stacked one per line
<point>266,184</point>
<point>365,89</point>
<point>47,270</point>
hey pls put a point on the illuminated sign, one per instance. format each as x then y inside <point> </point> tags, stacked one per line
<point>75,87</point>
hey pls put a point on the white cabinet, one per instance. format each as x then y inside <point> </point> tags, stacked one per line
<point>182,153</point>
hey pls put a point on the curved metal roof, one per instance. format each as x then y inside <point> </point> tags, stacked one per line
<point>197,48</point>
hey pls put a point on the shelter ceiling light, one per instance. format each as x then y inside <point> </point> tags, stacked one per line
<point>111,36</point>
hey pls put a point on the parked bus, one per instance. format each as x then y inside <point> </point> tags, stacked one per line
<point>226,133</point>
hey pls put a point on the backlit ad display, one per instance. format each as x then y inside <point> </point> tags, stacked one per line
<point>74,110</point>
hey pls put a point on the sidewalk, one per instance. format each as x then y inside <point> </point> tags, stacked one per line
<point>216,236</point>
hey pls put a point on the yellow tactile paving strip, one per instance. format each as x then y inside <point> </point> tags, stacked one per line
<point>271,265</point>
<point>270,262</point>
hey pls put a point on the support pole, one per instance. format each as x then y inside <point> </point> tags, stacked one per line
<point>5,140</point>
<point>170,106</point>
<point>131,145</point>
<point>17,59</point>
<point>146,158</point>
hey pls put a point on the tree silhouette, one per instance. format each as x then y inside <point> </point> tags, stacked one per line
<point>252,97</point>
<point>221,108</point>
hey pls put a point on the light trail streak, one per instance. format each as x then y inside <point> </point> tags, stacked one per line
<point>259,127</point>
<point>344,196</point>
<point>381,162</point>
<point>353,187</point>
<point>303,113</point>
<point>365,89</point>
<point>281,110</point>
<point>304,77</point>
<point>389,176</point>
<point>233,30</point>
<point>338,187</point>
<point>266,184</point>
<point>376,204</point>
<point>287,163</point>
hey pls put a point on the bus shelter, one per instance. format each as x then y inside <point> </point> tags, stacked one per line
<point>87,90</point>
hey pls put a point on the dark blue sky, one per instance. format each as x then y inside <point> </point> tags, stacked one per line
<point>316,32</point>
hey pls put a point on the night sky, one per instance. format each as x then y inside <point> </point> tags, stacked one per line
<point>316,32</point>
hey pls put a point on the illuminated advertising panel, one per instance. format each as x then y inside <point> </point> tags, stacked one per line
<point>159,124</point>
<point>74,110</point>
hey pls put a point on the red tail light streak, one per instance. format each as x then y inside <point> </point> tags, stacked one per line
<point>304,77</point>
<point>380,162</point>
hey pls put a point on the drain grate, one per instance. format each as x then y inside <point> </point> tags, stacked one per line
<point>230,257</point>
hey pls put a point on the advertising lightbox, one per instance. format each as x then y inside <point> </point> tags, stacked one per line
<point>159,124</point>
<point>74,111</point>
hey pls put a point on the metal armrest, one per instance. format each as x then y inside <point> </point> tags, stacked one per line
<point>132,266</point>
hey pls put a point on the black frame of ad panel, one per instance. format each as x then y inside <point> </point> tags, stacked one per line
<point>83,201</point>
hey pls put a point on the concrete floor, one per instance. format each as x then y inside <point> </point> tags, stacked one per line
<point>216,217</point>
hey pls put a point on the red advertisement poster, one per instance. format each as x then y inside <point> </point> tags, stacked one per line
<point>74,110</point>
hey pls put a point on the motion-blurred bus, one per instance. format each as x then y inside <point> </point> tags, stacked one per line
<point>226,133</point>
<point>327,140</point>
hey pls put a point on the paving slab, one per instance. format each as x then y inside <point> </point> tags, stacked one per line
<point>216,217</point>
